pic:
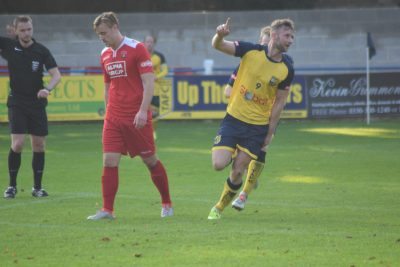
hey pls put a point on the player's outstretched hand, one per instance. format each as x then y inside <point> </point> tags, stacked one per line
<point>223,29</point>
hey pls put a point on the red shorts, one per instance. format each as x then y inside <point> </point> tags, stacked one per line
<point>121,136</point>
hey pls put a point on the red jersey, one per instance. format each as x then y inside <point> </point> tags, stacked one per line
<point>122,69</point>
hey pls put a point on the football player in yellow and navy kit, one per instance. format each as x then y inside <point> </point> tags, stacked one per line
<point>160,68</point>
<point>255,166</point>
<point>258,97</point>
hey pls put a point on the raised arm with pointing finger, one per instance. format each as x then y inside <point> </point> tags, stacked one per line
<point>218,41</point>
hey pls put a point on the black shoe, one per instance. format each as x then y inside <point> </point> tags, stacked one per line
<point>39,193</point>
<point>10,192</point>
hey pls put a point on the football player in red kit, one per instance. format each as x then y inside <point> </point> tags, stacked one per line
<point>129,86</point>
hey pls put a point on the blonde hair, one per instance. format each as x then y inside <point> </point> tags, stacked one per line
<point>279,23</point>
<point>265,31</point>
<point>108,18</point>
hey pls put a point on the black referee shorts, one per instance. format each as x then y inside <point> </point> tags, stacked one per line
<point>28,120</point>
<point>155,101</point>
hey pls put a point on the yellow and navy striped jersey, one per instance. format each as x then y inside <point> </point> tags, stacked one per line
<point>257,81</point>
<point>160,70</point>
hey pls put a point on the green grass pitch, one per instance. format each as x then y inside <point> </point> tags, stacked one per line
<point>329,196</point>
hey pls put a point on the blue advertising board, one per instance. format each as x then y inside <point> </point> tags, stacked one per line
<point>202,97</point>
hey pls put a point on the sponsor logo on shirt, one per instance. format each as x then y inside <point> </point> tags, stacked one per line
<point>17,49</point>
<point>250,96</point>
<point>116,69</point>
<point>274,81</point>
<point>35,66</point>
<point>146,63</point>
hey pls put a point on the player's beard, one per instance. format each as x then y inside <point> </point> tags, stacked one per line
<point>284,49</point>
<point>281,47</point>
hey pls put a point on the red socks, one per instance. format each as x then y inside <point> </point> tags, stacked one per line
<point>109,182</point>
<point>160,179</point>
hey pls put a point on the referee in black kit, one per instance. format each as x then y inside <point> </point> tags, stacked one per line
<point>27,100</point>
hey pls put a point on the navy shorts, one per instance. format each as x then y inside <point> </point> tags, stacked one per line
<point>235,134</point>
<point>28,120</point>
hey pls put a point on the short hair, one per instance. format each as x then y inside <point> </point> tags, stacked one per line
<point>279,23</point>
<point>152,36</point>
<point>21,19</point>
<point>108,18</point>
<point>265,31</point>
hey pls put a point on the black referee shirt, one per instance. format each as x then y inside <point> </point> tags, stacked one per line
<point>26,66</point>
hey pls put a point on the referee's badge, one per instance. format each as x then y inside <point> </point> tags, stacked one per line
<point>35,66</point>
<point>274,81</point>
<point>217,139</point>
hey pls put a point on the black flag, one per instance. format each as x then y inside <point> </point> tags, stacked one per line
<point>371,46</point>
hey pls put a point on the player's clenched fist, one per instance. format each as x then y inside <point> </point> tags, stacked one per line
<point>223,29</point>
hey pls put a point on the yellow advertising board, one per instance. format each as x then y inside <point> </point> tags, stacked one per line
<point>75,98</point>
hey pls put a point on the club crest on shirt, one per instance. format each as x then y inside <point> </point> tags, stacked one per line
<point>116,69</point>
<point>274,81</point>
<point>217,139</point>
<point>35,66</point>
<point>124,54</point>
